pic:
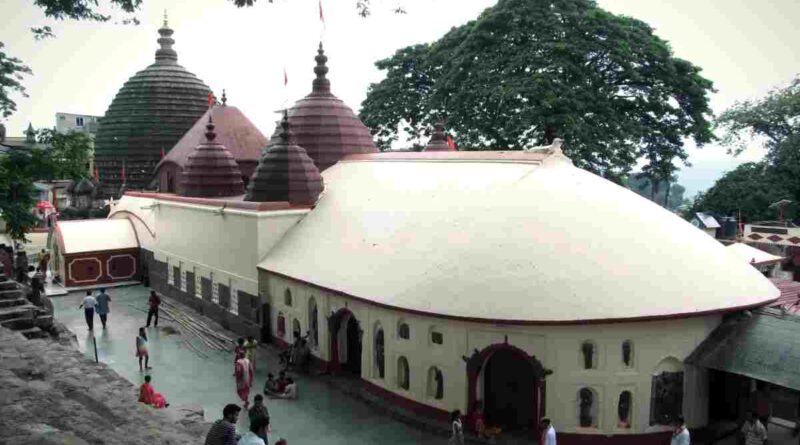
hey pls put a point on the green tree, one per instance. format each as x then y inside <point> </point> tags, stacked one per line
<point>668,194</point>
<point>525,72</point>
<point>11,75</point>
<point>65,155</point>
<point>17,195</point>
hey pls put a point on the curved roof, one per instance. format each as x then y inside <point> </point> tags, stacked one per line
<point>149,114</point>
<point>751,255</point>
<point>96,235</point>
<point>234,130</point>
<point>211,171</point>
<point>491,236</point>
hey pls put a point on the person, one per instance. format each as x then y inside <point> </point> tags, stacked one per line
<point>548,432</point>
<point>102,306</point>
<point>250,347</point>
<point>6,261</point>
<point>141,350</point>
<point>681,434</point>
<point>763,407</point>
<point>478,423</point>
<point>291,390</point>
<point>753,431</point>
<point>223,431</point>
<point>154,301</point>
<point>456,428</point>
<point>244,378</point>
<point>21,266</point>
<point>44,261</point>
<point>282,441</point>
<point>149,396</point>
<point>238,349</point>
<point>271,386</point>
<point>257,434</point>
<point>88,309</point>
<point>37,288</point>
<point>258,410</point>
<point>282,382</point>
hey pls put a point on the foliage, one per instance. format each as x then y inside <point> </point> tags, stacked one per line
<point>17,194</point>
<point>66,155</point>
<point>11,74</point>
<point>644,187</point>
<point>525,72</point>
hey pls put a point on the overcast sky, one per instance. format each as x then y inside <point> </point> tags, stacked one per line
<point>745,47</point>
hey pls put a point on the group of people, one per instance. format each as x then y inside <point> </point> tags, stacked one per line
<point>244,369</point>
<point>99,304</point>
<point>298,355</point>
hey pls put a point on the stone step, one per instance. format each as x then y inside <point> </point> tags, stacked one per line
<point>43,321</point>
<point>34,332</point>
<point>18,324</point>
<point>25,310</point>
<point>15,302</point>
<point>8,285</point>
<point>10,294</point>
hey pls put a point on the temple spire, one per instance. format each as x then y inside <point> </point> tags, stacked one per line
<point>321,84</point>
<point>210,134</point>
<point>438,141</point>
<point>166,54</point>
<point>224,98</point>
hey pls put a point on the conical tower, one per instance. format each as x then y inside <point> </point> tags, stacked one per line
<point>211,171</point>
<point>438,140</point>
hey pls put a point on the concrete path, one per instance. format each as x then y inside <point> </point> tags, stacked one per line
<point>321,415</point>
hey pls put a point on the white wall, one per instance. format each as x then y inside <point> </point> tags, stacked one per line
<point>557,347</point>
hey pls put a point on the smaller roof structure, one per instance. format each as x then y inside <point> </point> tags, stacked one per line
<point>707,220</point>
<point>438,140</point>
<point>790,295</point>
<point>764,345</point>
<point>751,255</point>
<point>210,170</point>
<point>96,235</point>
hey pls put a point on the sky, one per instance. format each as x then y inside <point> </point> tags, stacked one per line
<point>745,47</point>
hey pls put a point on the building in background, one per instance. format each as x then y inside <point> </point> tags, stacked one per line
<point>84,123</point>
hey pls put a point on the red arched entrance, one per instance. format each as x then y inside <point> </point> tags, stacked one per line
<point>510,382</point>
<point>345,342</point>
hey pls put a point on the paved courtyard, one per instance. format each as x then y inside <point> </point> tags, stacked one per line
<point>322,414</point>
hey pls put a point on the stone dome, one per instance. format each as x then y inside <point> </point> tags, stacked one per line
<point>438,140</point>
<point>150,113</point>
<point>83,187</point>
<point>211,171</point>
<point>324,126</point>
<point>285,173</point>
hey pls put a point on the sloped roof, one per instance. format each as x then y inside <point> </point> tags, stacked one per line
<point>751,255</point>
<point>708,221</point>
<point>96,235</point>
<point>790,295</point>
<point>512,237</point>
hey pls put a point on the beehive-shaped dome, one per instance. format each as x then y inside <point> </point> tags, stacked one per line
<point>438,140</point>
<point>324,126</point>
<point>285,173</point>
<point>211,171</point>
<point>150,113</point>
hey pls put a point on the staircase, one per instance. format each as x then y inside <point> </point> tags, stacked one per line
<point>18,314</point>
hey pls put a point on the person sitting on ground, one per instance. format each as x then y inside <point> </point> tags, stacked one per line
<point>282,382</point>
<point>753,430</point>
<point>271,386</point>
<point>257,433</point>
<point>291,390</point>
<point>223,431</point>
<point>149,396</point>
<point>477,422</point>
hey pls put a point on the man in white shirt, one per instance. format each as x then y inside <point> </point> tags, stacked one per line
<point>548,432</point>
<point>754,431</point>
<point>88,309</point>
<point>258,429</point>
<point>681,434</point>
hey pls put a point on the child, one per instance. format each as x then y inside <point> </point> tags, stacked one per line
<point>141,350</point>
<point>271,386</point>
<point>250,349</point>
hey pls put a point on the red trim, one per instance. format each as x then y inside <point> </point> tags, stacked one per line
<point>475,155</point>
<point>526,322</point>
<point>662,438</point>
<point>418,408</point>
<point>227,202</point>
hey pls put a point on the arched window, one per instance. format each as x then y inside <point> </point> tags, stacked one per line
<point>435,383</point>
<point>296,331</point>
<point>589,355</point>
<point>403,331</point>
<point>287,297</point>
<point>627,354</point>
<point>403,373</point>
<point>281,325</point>
<point>313,322</point>
<point>587,408</point>
<point>666,395</point>
<point>624,409</point>
<point>380,357</point>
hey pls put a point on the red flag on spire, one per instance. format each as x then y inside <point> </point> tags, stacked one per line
<point>162,152</point>
<point>210,99</point>
<point>450,144</point>
<point>321,16</point>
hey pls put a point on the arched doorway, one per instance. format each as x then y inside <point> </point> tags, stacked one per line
<point>313,324</point>
<point>508,383</point>
<point>346,336</point>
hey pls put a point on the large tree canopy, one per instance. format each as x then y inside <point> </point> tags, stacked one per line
<point>527,71</point>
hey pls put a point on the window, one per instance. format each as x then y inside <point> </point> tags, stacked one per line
<point>215,293</point>
<point>403,377</point>
<point>437,337</point>
<point>403,331</point>
<point>624,409</point>
<point>79,121</point>
<point>435,383</point>
<point>234,306</point>
<point>287,297</point>
<point>589,354</point>
<point>176,276</point>
<point>296,331</point>
<point>281,325</point>
<point>198,284</point>
<point>627,353</point>
<point>313,322</point>
<point>183,280</point>
<point>666,396</point>
<point>380,352</point>
<point>587,408</point>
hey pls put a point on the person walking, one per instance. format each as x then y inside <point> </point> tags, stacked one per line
<point>456,428</point>
<point>753,430</point>
<point>141,350</point>
<point>223,431</point>
<point>250,347</point>
<point>88,309</point>
<point>681,434</point>
<point>244,378</point>
<point>548,432</point>
<point>103,307</point>
<point>258,409</point>
<point>257,434</point>
<point>44,261</point>
<point>154,301</point>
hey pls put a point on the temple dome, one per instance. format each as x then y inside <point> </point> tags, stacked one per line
<point>210,171</point>
<point>438,140</point>
<point>83,187</point>
<point>149,114</point>
<point>324,126</point>
<point>285,173</point>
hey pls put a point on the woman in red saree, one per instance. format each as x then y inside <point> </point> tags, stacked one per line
<point>148,395</point>
<point>244,378</point>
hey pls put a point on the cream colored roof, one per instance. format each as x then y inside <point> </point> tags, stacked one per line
<point>750,254</point>
<point>97,235</point>
<point>508,241</point>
